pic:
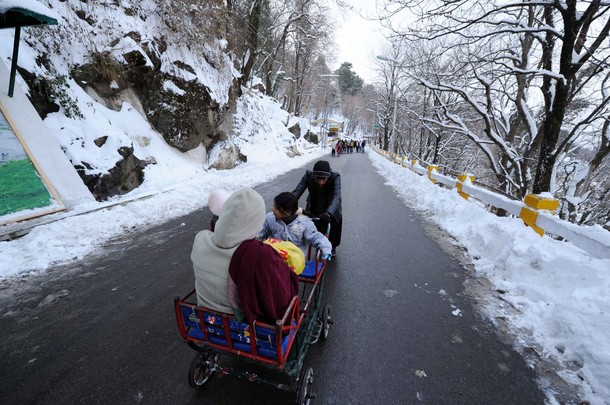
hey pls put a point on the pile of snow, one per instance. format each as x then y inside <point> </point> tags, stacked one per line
<point>261,129</point>
<point>554,295</point>
<point>126,127</point>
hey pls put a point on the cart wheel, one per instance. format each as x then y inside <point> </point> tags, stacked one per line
<point>326,321</point>
<point>304,394</point>
<point>200,370</point>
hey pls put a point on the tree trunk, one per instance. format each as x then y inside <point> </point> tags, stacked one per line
<point>555,105</point>
<point>604,149</point>
<point>251,43</point>
<point>437,144</point>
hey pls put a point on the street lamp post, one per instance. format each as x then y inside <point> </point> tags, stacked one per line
<point>324,138</point>
<point>393,137</point>
<point>396,65</point>
<point>373,122</point>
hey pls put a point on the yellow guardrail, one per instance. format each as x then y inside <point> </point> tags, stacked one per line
<point>536,211</point>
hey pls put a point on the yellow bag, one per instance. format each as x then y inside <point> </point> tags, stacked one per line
<point>292,255</point>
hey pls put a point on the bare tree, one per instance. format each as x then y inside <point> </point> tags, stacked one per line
<point>519,67</point>
<point>308,42</point>
<point>283,44</point>
<point>248,16</point>
<point>279,22</point>
<point>389,66</point>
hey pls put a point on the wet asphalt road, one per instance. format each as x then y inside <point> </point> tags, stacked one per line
<point>103,331</point>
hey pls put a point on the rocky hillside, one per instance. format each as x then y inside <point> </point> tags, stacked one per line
<point>169,60</point>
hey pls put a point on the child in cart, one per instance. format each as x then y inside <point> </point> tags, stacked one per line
<point>286,222</point>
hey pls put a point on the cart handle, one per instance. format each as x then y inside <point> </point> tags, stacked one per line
<point>290,312</point>
<point>183,299</point>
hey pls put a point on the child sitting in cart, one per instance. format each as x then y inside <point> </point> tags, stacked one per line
<point>285,222</point>
<point>225,263</point>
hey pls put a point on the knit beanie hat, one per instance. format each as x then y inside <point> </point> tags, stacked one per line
<point>216,200</point>
<point>321,169</point>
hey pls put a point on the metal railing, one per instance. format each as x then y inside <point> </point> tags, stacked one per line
<point>536,211</point>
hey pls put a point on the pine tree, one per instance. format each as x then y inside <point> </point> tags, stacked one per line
<point>349,82</point>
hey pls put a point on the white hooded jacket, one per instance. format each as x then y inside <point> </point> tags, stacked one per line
<point>240,219</point>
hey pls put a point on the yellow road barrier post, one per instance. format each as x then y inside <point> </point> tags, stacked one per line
<point>461,178</point>
<point>533,204</point>
<point>432,168</point>
<point>413,163</point>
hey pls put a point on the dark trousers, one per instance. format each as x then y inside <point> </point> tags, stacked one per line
<point>335,230</point>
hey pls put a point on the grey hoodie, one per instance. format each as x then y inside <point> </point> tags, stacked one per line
<point>241,219</point>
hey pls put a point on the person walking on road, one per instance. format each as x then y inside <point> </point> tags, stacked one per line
<point>324,199</point>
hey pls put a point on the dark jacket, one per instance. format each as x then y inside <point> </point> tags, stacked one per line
<point>331,192</point>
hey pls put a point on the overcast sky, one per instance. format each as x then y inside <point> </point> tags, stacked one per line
<point>358,40</point>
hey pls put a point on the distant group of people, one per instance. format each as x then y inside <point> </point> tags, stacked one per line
<point>237,268</point>
<point>346,146</point>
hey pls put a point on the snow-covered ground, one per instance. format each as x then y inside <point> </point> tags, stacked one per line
<point>556,296</point>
